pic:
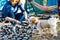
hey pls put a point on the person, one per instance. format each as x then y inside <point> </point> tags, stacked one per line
<point>14,12</point>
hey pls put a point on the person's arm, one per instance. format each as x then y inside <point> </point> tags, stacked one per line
<point>39,6</point>
<point>26,18</point>
<point>45,8</point>
<point>24,12</point>
<point>12,20</point>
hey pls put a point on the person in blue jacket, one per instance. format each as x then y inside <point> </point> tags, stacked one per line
<point>14,11</point>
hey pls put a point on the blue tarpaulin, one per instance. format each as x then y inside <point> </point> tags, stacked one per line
<point>2,2</point>
<point>53,3</point>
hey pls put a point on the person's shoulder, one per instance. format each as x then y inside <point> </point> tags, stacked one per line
<point>7,4</point>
